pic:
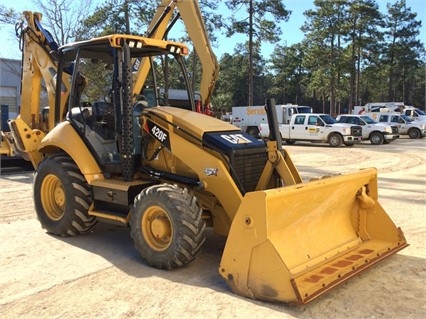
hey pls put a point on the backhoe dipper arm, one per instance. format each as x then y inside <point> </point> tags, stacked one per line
<point>190,13</point>
<point>38,63</point>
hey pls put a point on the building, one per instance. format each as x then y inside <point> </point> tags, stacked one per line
<point>10,82</point>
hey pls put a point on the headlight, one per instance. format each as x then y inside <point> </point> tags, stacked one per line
<point>388,129</point>
<point>347,131</point>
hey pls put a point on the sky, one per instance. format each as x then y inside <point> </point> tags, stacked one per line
<point>291,29</point>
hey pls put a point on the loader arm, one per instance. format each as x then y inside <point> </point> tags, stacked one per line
<point>163,20</point>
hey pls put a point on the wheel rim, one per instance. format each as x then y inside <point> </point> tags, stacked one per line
<point>157,228</point>
<point>53,197</point>
<point>375,139</point>
<point>413,134</point>
<point>335,141</point>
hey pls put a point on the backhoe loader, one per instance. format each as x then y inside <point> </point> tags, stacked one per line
<point>170,172</point>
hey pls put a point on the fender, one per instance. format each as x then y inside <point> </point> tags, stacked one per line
<point>64,137</point>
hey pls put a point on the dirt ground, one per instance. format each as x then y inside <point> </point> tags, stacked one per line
<point>100,275</point>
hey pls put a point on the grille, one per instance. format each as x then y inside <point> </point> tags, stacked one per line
<point>356,130</point>
<point>248,165</point>
<point>394,130</point>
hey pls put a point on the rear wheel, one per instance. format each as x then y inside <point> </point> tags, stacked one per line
<point>376,138</point>
<point>414,133</point>
<point>62,197</point>
<point>167,226</point>
<point>335,140</point>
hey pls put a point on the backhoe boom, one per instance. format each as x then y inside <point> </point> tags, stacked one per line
<point>164,18</point>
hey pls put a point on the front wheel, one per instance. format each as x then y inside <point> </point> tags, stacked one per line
<point>62,197</point>
<point>376,138</point>
<point>167,226</point>
<point>335,140</point>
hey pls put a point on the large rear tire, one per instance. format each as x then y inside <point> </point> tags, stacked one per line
<point>62,197</point>
<point>167,226</point>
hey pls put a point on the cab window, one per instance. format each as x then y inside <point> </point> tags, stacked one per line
<point>299,120</point>
<point>313,120</point>
<point>384,118</point>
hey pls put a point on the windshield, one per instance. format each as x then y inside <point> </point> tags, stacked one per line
<point>368,119</point>
<point>328,119</point>
<point>420,112</point>
<point>304,109</point>
<point>406,118</point>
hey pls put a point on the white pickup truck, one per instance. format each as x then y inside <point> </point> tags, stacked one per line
<point>406,126</point>
<point>316,128</point>
<point>413,113</point>
<point>377,133</point>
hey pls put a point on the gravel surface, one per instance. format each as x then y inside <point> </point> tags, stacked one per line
<point>99,275</point>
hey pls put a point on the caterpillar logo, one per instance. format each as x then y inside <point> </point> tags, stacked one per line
<point>235,138</point>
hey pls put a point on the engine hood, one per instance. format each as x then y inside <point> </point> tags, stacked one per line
<point>194,123</point>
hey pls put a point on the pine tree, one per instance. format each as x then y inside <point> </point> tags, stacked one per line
<point>402,50</point>
<point>261,24</point>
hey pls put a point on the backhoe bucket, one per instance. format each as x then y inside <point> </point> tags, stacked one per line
<point>293,243</point>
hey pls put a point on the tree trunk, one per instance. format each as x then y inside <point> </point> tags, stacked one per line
<point>250,102</point>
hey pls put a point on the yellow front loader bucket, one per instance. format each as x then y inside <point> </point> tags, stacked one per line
<point>294,243</point>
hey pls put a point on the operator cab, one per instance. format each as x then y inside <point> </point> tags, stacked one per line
<point>102,106</point>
